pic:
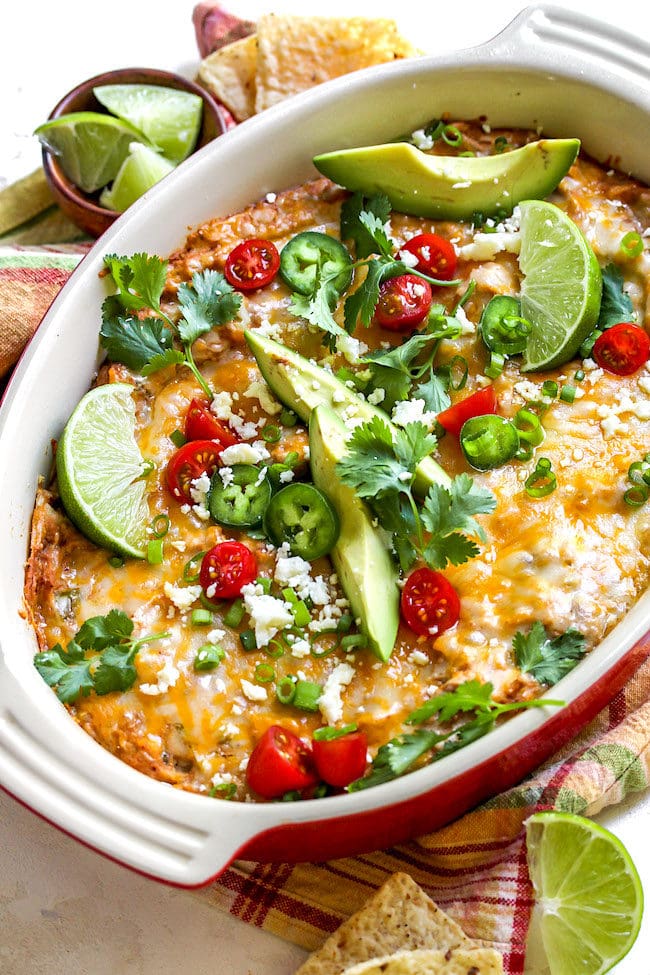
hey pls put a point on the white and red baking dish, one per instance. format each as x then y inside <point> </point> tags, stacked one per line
<point>550,68</point>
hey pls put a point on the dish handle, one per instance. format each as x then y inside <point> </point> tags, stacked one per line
<point>545,36</point>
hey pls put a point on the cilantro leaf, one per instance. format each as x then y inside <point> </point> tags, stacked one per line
<point>70,677</point>
<point>171,357</point>
<point>448,510</point>
<point>546,659</point>
<point>370,465</point>
<point>455,548</point>
<point>615,306</point>
<point>412,444</point>
<point>433,392</point>
<point>115,671</point>
<point>361,304</point>
<point>317,308</point>
<point>352,228</point>
<point>132,341</point>
<point>140,279</point>
<point>103,631</point>
<point>377,231</point>
<point>208,302</point>
<point>396,757</point>
<point>471,695</point>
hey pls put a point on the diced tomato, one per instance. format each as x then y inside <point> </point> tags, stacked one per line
<point>429,603</point>
<point>435,255</point>
<point>622,349</point>
<point>226,569</point>
<point>480,403</point>
<point>193,459</point>
<point>252,264</point>
<point>341,760</point>
<point>280,762</point>
<point>201,424</point>
<point>404,302</point>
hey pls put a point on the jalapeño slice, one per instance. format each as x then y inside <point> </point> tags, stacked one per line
<point>502,327</point>
<point>242,501</point>
<point>310,257</point>
<point>302,516</point>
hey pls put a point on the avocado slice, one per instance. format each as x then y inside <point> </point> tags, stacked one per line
<point>362,561</point>
<point>302,385</point>
<point>451,187</point>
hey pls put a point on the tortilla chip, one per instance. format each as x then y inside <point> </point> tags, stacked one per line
<point>455,961</point>
<point>400,916</point>
<point>296,53</point>
<point>229,75</point>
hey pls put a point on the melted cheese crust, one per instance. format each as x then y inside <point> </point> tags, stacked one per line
<point>578,557</point>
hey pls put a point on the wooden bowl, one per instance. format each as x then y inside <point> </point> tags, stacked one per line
<point>82,208</point>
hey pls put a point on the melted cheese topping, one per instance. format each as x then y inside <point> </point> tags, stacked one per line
<point>577,558</point>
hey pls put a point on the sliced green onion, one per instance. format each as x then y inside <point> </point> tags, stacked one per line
<point>632,245</point>
<point>192,568</point>
<point>148,467</point>
<point>500,144</point>
<point>289,595</point>
<point>291,459</point>
<point>274,649</point>
<point>587,346</point>
<point>356,640</point>
<point>301,614</point>
<point>636,496</point>
<point>116,561</point>
<point>467,152</point>
<point>457,371</point>
<point>345,622</point>
<point>285,690</point>
<point>235,613</point>
<point>325,651</point>
<point>225,790</point>
<point>271,433</point>
<point>542,481</point>
<point>265,583</point>
<point>264,673</point>
<point>525,452</point>
<point>549,388</point>
<point>201,617</point>
<point>155,554</point>
<point>320,791</point>
<point>247,640</point>
<point>178,438</point>
<point>452,136</point>
<point>529,427</point>
<point>331,734</point>
<point>292,796</point>
<point>580,375</point>
<point>307,695</point>
<point>495,366</point>
<point>208,657</point>
<point>160,526</point>
<point>288,418</point>
<point>568,393</point>
<point>209,604</point>
<point>434,129</point>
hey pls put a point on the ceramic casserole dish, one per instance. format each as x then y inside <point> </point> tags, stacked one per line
<point>549,68</point>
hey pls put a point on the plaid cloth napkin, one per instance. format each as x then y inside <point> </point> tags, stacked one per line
<point>475,868</point>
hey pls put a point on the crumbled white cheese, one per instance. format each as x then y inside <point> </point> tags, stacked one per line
<point>199,488</point>
<point>330,703</point>
<point>377,396</point>
<point>286,476</point>
<point>165,678</point>
<point>215,636</point>
<point>271,197</point>
<point>293,571</point>
<point>351,348</point>
<point>412,411</point>
<point>300,649</point>
<point>529,391</point>
<point>260,391</point>
<point>467,327</point>
<point>253,691</point>
<point>408,258</point>
<point>268,614</point>
<point>243,453</point>
<point>419,657</point>
<point>485,247</point>
<point>421,140</point>
<point>222,778</point>
<point>221,405</point>
<point>226,475</point>
<point>182,596</point>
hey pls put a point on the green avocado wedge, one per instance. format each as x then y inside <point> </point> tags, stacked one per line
<point>302,386</point>
<point>451,187</point>
<point>360,557</point>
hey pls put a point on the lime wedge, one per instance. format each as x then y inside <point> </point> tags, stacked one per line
<point>560,293</point>
<point>89,147</point>
<point>98,464</point>
<point>588,895</point>
<point>141,169</point>
<point>171,119</point>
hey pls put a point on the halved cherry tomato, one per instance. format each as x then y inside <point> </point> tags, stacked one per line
<point>252,264</point>
<point>279,763</point>
<point>201,424</point>
<point>480,403</point>
<point>430,604</point>
<point>404,302</point>
<point>436,255</point>
<point>622,349</point>
<point>226,569</point>
<point>341,760</point>
<point>193,459</point>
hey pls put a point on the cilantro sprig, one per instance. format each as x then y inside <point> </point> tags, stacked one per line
<point>147,343</point>
<point>544,658</point>
<point>99,658</point>
<point>472,697</point>
<point>380,464</point>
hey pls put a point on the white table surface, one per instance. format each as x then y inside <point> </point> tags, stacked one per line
<point>64,908</point>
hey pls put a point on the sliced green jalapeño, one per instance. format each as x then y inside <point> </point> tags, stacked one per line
<point>303,517</point>
<point>502,328</point>
<point>489,441</point>
<point>311,257</point>
<point>241,499</point>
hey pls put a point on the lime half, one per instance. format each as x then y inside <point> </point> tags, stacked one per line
<point>588,895</point>
<point>171,119</point>
<point>141,170</point>
<point>98,464</point>
<point>561,290</point>
<point>90,147</point>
